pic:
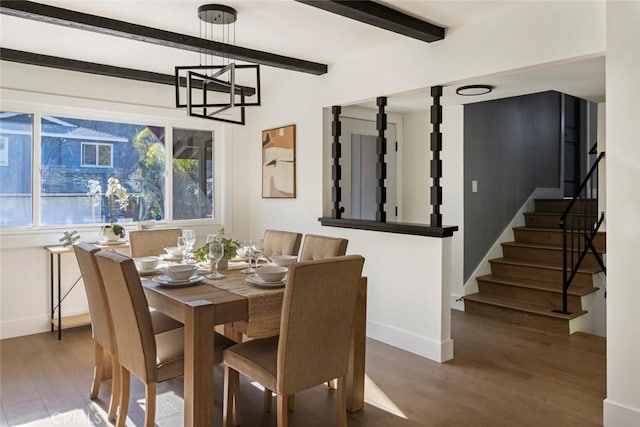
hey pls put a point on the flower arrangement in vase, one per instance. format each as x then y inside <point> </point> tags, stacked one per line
<point>116,193</point>
<point>231,247</point>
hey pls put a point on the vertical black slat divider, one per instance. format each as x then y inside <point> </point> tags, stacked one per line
<point>336,153</point>
<point>381,165</point>
<point>436,163</point>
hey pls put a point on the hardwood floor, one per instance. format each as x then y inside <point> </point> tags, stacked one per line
<point>502,375</point>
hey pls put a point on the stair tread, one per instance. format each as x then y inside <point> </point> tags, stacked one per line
<point>537,246</point>
<point>589,270</point>
<point>559,214</point>
<point>526,306</point>
<point>535,284</point>
<point>548,230</point>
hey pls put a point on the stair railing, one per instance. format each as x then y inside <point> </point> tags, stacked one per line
<point>580,223</point>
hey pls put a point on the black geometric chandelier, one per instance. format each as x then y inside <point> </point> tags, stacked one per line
<point>217,89</point>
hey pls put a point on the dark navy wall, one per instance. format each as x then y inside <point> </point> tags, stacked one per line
<point>511,146</point>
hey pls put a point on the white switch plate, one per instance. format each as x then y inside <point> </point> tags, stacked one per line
<point>474,186</point>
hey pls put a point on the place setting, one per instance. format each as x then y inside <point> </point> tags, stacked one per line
<point>149,265</point>
<point>269,276</point>
<point>179,275</point>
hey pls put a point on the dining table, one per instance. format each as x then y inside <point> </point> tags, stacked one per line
<point>234,301</point>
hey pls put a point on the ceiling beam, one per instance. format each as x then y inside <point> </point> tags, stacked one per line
<point>108,70</point>
<point>100,24</point>
<point>381,16</point>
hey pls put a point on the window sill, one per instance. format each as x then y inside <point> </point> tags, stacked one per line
<point>391,227</point>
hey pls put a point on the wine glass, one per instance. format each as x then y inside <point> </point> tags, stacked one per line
<point>216,252</point>
<point>182,245</point>
<point>190,240</point>
<point>247,250</point>
<point>257,250</point>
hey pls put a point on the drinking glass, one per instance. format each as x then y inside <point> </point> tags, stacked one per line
<point>216,252</point>
<point>257,251</point>
<point>190,240</point>
<point>247,249</point>
<point>182,245</point>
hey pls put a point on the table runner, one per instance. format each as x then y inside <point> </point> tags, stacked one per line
<point>265,305</point>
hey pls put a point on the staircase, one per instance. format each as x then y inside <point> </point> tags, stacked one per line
<point>525,285</point>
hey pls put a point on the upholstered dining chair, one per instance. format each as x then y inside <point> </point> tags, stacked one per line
<point>102,324</point>
<point>313,345</point>
<point>318,247</point>
<point>152,242</point>
<point>151,358</point>
<point>278,242</point>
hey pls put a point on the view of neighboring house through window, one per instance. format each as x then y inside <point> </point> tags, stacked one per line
<point>78,156</point>
<point>193,186</point>
<point>100,155</point>
<point>16,148</point>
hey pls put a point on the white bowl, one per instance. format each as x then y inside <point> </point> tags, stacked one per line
<point>147,262</point>
<point>283,260</point>
<point>180,271</point>
<point>173,251</point>
<point>271,273</point>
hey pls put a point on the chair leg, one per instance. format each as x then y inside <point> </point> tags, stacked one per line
<point>341,400</point>
<point>125,382</point>
<point>97,370</point>
<point>283,410</point>
<point>268,400</point>
<point>116,387</point>
<point>230,399</point>
<point>150,412</point>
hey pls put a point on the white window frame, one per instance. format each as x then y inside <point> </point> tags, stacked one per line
<point>97,145</point>
<point>40,104</point>
<point>4,151</point>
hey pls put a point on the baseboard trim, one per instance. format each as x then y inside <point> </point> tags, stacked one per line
<point>618,415</point>
<point>24,326</point>
<point>438,351</point>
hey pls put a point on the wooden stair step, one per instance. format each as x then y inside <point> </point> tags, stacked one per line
<point>560,205</point>
<point>540,271</point>
<point>553,237</point>
<point>520,312</point>
<point>544,254</point>
<point>552,219</point>
<point>536,284</point>
<point>544,293</point>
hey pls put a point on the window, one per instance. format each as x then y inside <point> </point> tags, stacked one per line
<point>193,187</point>
<point>16,136</point>
<point>78,156</point>
<point>100,155</point>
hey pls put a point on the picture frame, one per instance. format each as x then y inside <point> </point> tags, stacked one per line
<point>279,163</point>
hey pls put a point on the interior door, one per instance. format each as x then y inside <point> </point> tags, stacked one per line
<point>358,162</point>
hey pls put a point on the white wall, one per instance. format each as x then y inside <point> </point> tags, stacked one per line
<point>622,406</point>
<point>416,158</point>
<point>410,276</point>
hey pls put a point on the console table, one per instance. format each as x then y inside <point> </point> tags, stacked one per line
<point>55,254</point>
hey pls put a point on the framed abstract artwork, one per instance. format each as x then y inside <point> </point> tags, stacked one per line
<point>279,163</point>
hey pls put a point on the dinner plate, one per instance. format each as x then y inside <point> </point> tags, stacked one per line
<point>168,257</point>
<point>255,280</point>
<point>165,281</point>
<point>156,270</point>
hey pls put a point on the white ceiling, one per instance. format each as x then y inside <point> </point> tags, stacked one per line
<point>284,27</point>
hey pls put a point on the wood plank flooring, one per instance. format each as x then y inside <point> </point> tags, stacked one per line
<point>502,375</point>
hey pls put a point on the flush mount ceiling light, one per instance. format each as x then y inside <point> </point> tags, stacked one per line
<point>217,89</point>
<point>474,90</point>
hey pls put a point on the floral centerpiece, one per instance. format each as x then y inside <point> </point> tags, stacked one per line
<point>116,193</point>
<point>231,247</point>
